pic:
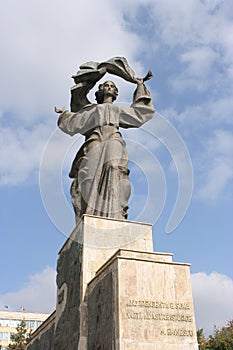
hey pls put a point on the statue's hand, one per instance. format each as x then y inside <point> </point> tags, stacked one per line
<point>140,81</point>
<point>148,76</point>
<point>59,110</point>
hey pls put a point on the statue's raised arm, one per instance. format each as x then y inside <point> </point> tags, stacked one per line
<point>100,169</point>
<point>91,72</point>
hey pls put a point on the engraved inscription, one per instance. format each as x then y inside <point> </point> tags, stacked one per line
<point>177,312</point>
<point>181,332</point>
<point>158,304</point>
<point>158,317</point>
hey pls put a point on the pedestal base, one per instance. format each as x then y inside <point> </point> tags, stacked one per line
<point>141,301</point>
<point>113,298</point>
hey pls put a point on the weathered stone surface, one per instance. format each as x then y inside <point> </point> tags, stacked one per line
<point>101,312</point>
<point>118,299</point>
<point>66,335</point>
<point>91,244</point>
<point>45,342</point>
<point>43,337</point>
<point>153,302</point>
<point>64,330</point>
<point>101,238</point>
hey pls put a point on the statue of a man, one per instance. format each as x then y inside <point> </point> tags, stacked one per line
<point>100,169</point>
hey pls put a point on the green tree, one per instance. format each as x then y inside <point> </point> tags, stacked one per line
<point>19,339</point>
<point>202,342</point>
<point>222,339</point>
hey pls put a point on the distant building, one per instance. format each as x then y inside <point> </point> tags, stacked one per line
<point>10,320</point>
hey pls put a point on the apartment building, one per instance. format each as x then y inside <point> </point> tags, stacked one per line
<point>10,320</point>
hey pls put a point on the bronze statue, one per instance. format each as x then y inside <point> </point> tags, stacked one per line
<point>100,169</point>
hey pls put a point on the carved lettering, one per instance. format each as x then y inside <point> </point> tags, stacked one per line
<point>140,315</point>
<point>154,310</point>
<point>181,332</point>
<point>158,304</point>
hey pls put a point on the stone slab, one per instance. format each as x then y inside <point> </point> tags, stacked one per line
<point>151,304</point>
<point>114,298</point>
<point>98,238</point>
<point>102,237</point>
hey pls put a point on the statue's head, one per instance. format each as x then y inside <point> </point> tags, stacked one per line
<point>108,88</point>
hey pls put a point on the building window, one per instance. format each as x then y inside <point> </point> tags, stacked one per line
<point>38,323</point>
<point>14,323</point>
<point>4,322</point>
<point>32,324</point>
<point>4,336</point>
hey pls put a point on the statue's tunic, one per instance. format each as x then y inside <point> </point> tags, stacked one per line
<point>100,169</point>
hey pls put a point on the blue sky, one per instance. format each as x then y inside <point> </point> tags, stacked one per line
<point>189,47</point>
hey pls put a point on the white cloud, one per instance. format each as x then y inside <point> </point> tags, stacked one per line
<point>20,152</point>
<point>218,162</point>
<point>193,23</point>
<point>199,60</point>
<point>220,109</point>
<point>217,179</point>
<point>197,72</point>
<point>212,150</point>
<point>43,44</point>
<point>212,299</point>
<point>203,116</point>
<point>198,34</point>
<point>39,294</point>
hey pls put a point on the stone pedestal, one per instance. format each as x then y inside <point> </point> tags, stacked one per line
<point>90,245</point>
<point>115,293</point>
<point>141,301</point>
